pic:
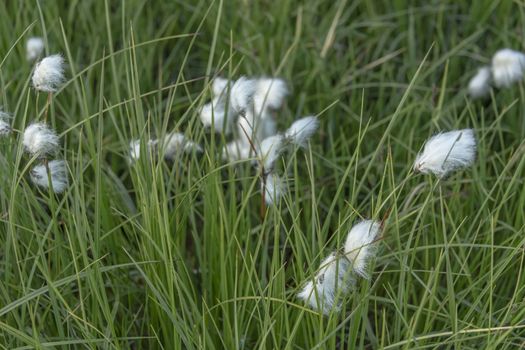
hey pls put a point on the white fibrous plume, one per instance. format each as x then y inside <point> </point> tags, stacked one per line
<point>215,114</point>
<point>174,143</point>
<point>274,187</point>
<point>359,246</point>
<point>302,130</point>
<point>328,287</point>
<point>57,174</point>
<point>135,149</point>
<point>241,94</point>
<point>49,73</point>
<point>34,48</point>
<point>5,127</point>
<point>270,94</point>
<point>236,150</point>
<point>507,67</point>
<point>447,152</point>
<point>219,86</point>
<point>270,149</point>
<point>479,85</point>
<point>40,140</point>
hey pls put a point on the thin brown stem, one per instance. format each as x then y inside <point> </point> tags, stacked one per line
<point>48,104</point>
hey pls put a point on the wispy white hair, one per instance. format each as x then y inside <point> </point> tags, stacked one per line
<point>241,94</point>
<point>270,94</point>
<point>219,86</point>
<point>5,127</point>
<point>34,48</point>
<point>331,282</point>
<point>270,149</point>
<point>49,73</point>
<point>236,150</point>
<point>301,130</point>
<point>217,115</point>
<point>359,247</point>
<point>446,152</point>
<point>507,67</point>
<point>135,149</point>
<point>275,187</point>
<point>57,174</point>
<point>40,140</point>
<point>175,142</point>
<point>479,85</point>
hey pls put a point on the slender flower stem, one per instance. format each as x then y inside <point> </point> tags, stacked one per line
<point>48,104</point>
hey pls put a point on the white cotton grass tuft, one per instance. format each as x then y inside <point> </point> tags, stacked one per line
<point>135,149</point>
<point>5,127</point>
<point>270,149</point>
<point>57,174</point>
<point>331,282</point>
<point>40,140</point>
<point>446,152</point>
<point>359,246</point>
<point>236,150</point>
<point>48,75</point>
<point>302,130</point>
<point>270,94</point>
<point>34,48</point>
<point>216,115</point>
<point>508,67</point>
<point>174,143</point>
<point>219,86</point>
<point>274,187</point>
<point>479,86</point>
<point>241,94</point>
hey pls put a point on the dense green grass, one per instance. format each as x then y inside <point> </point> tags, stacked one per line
<point>154,256</point>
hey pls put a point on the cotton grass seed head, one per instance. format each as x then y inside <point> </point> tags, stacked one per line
<point>479,85</point>
<point>275,188</point>
<point>40,140</point>
<point>359,248</point>
<point>270,94</point>
<point>57,174</point>
<point>219,86</point>
<point>34,48</point>
<point>215,114</point>
<point>174,143</point>
<point>241,94</point>
<point>135,149</point>
<point>331,282</point>
<point>271,148</point>
<point>507,67</point>
<point>5,126</point>
<point>302,130</point>
<point>236,150</point>
<point>447,152</point>
<point>49,73</point>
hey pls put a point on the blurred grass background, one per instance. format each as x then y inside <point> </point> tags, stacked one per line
<point>160,256</point>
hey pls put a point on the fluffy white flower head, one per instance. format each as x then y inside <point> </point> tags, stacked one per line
<point>215,114</point>
<point>275,187</point>
<point>34,48</point>
<point>241,94</point>
<point>271,148</point>
<point>40,140</point>
<point>446,152</point>
<point>359,247</point>
<point>302,130</point>
<point>57,173</point>
<point>331,282</point>
<point>175,142</point>
<point>135,149</point>
<point>507,67</point>
<point>236,150</point>
<point>219,86</point>
<point>49,73</point>
<point>479,85</point>
<point>5,127</point>
<point>270,93</point>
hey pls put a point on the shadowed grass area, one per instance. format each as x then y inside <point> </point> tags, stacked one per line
<point>159,255</point>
